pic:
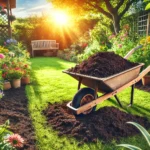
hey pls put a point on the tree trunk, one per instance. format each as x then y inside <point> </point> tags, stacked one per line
<point>116,23</point>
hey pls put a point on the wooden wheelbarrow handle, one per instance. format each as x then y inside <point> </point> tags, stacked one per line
<point>132,51</point>
<point>144,72</point>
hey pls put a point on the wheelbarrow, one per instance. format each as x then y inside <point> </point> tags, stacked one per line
<point>86,99</point>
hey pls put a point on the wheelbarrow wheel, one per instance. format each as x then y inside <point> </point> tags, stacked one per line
<point>82,97</point>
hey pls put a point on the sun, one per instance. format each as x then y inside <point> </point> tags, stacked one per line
<point>60,17</point>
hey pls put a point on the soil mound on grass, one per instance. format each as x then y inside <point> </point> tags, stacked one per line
<point>13,107</point>
<point>103,64</point>
<point>107,123</point>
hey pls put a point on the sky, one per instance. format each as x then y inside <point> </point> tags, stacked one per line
<point>25,8</point>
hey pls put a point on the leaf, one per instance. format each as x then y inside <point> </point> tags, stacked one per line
<point>131,147</point>
<point>147,6</point>
<point>146,0</point>
<point>142,130</point>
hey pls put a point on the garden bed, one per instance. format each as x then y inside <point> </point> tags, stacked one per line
<point>13,106</point>
<point>106,124</point>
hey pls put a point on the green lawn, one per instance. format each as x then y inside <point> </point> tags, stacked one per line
<point>49,84</point>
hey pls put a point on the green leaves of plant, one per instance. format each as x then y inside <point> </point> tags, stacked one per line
<point>147,6</point>
<point>142,130</point>
<point>131,147</point>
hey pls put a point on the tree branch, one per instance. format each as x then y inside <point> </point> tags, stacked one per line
<point>119,4</point>
<point>126,8</point>
<point>107,14</point>
<point>109,6</point>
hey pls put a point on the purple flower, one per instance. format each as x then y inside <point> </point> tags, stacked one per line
<point>9,41</point>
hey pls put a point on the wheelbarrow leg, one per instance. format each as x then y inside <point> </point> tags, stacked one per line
<point>132,95</point>
<point>79,83</point>
<point>116,97</point>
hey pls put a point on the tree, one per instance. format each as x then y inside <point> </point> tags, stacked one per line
<point>112,9</point>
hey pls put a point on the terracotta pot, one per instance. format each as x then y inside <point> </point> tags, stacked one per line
<point>6,85</point>
<point>16,83</point>
<point>25,80</point>
<point>146,80</point>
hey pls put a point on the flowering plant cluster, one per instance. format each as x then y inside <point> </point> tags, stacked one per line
<point>122,42</point>
<point>14,60</point>
<point>9,140</point>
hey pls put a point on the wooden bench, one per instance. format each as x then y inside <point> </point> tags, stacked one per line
<point>44,45</point>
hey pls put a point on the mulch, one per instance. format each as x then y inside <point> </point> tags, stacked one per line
<point>106,124</point>
<point>13,107</point>
<point>103,64</point>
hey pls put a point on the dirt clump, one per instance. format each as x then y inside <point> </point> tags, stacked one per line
<point>13,107</point>
<point>106,124</point>
<point>103,64</point>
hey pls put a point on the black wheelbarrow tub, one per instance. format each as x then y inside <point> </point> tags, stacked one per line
<point>110,83</point>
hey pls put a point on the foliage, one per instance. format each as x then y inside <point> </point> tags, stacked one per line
<point>6,135</point>
<point>15,63</point>
<point>122,43</point>
<point>143,55</point>
<point>3,50</point>
<point>148,4</point>
<point>143,131</point>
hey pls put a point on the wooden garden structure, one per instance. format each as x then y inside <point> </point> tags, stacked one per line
<point>6,17</point>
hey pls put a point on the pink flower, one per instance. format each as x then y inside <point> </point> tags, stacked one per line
<point>2,56</point>
<point>15,140</point>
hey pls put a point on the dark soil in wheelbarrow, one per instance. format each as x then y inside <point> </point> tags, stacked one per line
<point>13,107</point>
<point>103,64</point>
<point>106,124</point>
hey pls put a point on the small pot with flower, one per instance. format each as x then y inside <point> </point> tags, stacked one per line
<point>14,75</point>
<point>26,68</point>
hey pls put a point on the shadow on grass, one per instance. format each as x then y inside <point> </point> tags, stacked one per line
<point>134,108</point>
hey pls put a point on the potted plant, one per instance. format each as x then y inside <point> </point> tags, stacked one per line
<point>26,68</point>
<point>6,85</point>
<point>14,75</point>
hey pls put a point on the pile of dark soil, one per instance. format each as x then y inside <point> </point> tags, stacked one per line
<point>106,124</point>
<point>103,64</point>
<point>13,106</point>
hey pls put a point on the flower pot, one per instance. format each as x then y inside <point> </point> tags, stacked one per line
<point>6,85</point>
<point>16,83</point>
<point>146,80</point>
<point>25,80</point>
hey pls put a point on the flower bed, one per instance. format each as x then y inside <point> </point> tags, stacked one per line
<point>13,107</point>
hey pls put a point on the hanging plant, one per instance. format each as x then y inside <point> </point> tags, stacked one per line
<point>3,12</point>
<point>12,17</point>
